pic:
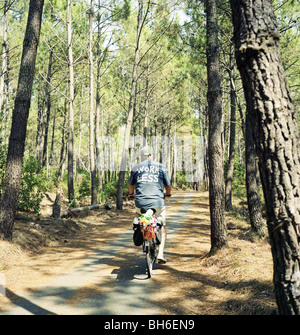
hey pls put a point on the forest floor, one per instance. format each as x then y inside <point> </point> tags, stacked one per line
<point>235,281</point>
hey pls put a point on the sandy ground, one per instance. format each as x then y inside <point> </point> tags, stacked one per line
<point>235,281</point>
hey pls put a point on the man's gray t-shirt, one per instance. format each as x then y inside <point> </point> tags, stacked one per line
<point>149,178</point>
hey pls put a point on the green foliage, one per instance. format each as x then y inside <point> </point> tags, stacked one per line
<point>85,184</point>
<point>122,11</point>
<point>172,78</point>
<point>110,189</point>
<point>239,179</point>
<point>55,178</point>
<point>181,181</point>
<point>33,184</point>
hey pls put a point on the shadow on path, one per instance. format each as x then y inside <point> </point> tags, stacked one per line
<point>112,281</point>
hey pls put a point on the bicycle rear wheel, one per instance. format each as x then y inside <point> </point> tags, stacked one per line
<point>149,264</point>
<point>151,254</point>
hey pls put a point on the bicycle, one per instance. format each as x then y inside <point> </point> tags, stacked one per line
<point>147,234</point>
<point>150,242</point>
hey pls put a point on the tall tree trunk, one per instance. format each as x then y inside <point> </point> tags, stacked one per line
<point>140,24</point>
<point>62,149</point>
<point>52,142</point>
<point>92,121</point>
<point>4,81</point>
<point>215,148</point>
<point>12,179</point>
<point>98,99</point>
<point>252,184</point>
<point>43,118</point>
<point>79,135</point>
<point>230,166</point>
<point>173,178</point>
<point>146,109</point>
<point>275,130</point>
<point>205,145</point>
<point>71,107</point>
<point>47,111</point>
<point>38,141</point>
<point>253,198</point>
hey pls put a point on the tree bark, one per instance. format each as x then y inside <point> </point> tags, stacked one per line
<point>140,23</point>
<point>62,148</point>
<point>230,166</point>
<point>4,79</point>
<point>43,118</point>
<point>52,142</point>
<point>92,116</point>
<point>71,107</point>
<point>99,171</point>
<point>253,198</point>
<point>9,201</point>
<point>47,111</point>
<point>275,130</point>
<point>215,148</point>
<point>56,209</point>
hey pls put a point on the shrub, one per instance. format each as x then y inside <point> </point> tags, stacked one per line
<point>33,184</point>
<point>110,189</point>
<point>85,186</point>
<point>181,180</point>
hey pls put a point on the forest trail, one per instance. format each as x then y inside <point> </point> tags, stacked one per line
<point>100,271</point>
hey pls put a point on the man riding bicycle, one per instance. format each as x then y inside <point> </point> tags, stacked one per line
<point>149,178</point>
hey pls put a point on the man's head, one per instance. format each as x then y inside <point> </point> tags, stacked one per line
<point>146,152</point>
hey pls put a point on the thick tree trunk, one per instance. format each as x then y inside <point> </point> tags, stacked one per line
<point>253,198</point>
<point>276,134</point>
<point>252,184</point>
<point>9,201</point>
<point>215,148</point>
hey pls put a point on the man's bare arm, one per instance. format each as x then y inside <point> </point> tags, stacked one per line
<point>168,190</point>
<point>131,188</point>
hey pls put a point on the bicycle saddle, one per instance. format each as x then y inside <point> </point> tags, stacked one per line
<point>144,210</point>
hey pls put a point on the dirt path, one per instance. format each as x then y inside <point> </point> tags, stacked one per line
<point>100,271</point>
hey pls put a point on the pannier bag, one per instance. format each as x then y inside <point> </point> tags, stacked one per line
<point>137,236</point>
<point>146,228</point>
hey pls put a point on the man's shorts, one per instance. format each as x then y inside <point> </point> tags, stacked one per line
<point>160,214</point>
